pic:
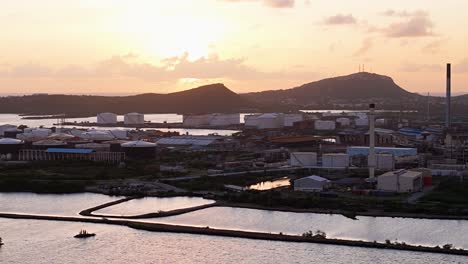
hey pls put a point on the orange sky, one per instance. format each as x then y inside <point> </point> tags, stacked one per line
<point>105,46</point>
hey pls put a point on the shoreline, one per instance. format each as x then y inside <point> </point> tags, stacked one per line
<point>221,203</point>
<point>153,227</point>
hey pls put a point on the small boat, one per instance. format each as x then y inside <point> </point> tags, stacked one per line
<point>84,234</point>
<point>1,243</point>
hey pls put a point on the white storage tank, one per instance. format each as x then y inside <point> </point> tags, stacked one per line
<point>385,162</point>
<point>306,159</point>
<point>106,118</point>
<point>290,119</point>
<point>4,128</point>
<point>335,160</point>
<point>324,125</point>
<point>270,121</point>
<point>224,119</point>
<point>343,121</point>
<point>119,133</point>
<point>196,120</point>
<point>97,135</point>
<point>251,120</point>
<point>362,122</point>
<point>134,119</point>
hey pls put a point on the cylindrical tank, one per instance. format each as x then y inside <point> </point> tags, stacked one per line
<point>49,143</point>
<point>106,118</point>
<point>10,146</point>
<point>134,119</point>
<point>139,149</point>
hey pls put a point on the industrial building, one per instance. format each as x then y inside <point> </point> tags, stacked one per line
<point>106,119</point>
<point>199,142</point>
<point>335,160</point>
<point>324,125</point>
<point>401,181</point>
<point>352,151</point>
<point>312,183</point>
<point>303,159</point>
<point>134,119</point>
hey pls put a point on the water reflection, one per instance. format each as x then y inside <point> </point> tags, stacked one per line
<point>268,185</point>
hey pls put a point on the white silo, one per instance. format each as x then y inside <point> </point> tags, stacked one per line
<point>134,119</point>
<point>106,118</point>
<point>224,119</point>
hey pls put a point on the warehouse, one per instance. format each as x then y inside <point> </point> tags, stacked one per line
<point>400,181</point>
<point>312,183</point>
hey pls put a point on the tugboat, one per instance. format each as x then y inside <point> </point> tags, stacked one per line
<point>84,234</point>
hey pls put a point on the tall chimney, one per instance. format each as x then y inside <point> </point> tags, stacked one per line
<point>448,110</point>
<point>371,158</point>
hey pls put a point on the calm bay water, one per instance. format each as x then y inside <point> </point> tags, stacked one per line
<point>50,242</point>
<point>51,204</point>
<point>412,231</point>
<point>152,205</point>
<point>33,241</point>
<point>14,119</point>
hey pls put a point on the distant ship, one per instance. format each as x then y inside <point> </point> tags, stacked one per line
<point>1,243</point>
<point>84,234</point>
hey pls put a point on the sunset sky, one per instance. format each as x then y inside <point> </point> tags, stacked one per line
<point>161,46</point>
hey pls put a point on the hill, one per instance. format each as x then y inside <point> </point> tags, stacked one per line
<point>348,89</point>
<point>204,99</point>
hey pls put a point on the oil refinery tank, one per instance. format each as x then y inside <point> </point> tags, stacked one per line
<point>335,160</point>
<point>9,147</point>
<point>139,149</point>
<point>306,159</point>
<point>270,121</point>
<point>49,143</point>
<point>134,119</point>
<point>224,119</point>
<point>106,118</point>
<point>97,135</point>
<point>290,119</point>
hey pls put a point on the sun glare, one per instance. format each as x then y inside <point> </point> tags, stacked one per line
<point>168,35</point>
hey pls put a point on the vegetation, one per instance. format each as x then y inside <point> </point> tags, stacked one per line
<point>450,191</point>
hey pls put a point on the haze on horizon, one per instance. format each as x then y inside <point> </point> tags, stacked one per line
<point>129,47</point>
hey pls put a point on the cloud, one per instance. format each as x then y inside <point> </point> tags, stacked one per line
<point>170,69</point>
<point>433,47</point>
<point>416,24</point>
<point>270,3</point>
<point>340,20</point>
<point>366,45</point>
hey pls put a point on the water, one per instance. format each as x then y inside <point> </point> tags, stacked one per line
<point>152,205</point>
<point>268,185</point>
<point>51,242</point>
<point>51,204</point>
<point>14,119</point>
<point>412,231</point>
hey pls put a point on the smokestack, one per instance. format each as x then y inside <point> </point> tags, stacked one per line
<point>371,158</point>
<point>448,114</point>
